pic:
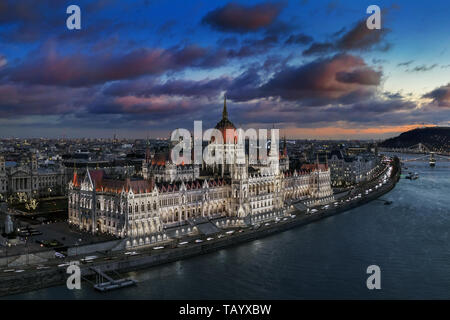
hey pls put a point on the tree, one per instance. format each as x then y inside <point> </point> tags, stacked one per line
<point>31,205</point>
<point>22,197</point>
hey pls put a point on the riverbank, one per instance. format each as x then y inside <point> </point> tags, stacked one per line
<point>16,283</point>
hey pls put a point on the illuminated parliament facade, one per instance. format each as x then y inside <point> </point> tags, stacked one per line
<point>170,200</point>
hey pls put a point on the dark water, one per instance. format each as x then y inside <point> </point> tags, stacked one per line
<point>409,240</point>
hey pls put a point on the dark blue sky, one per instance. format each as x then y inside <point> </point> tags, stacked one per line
<point>139,68</point>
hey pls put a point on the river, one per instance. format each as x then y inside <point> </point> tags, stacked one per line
<point>409,240</point>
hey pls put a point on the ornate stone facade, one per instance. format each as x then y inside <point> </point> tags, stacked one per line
<point>30,179</point>
<point>149,209</point>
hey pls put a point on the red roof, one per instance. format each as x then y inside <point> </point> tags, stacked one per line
<point>103,184</point>
<point>314,167</point>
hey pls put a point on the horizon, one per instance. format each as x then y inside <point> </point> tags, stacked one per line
<point>310,68</point>
<point>167,138</point>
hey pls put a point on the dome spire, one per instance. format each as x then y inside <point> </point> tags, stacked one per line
<point>224,112</point>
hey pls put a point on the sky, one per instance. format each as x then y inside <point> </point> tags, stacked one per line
<point>143,68</point>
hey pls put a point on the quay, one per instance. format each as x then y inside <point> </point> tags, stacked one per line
<point>111,284</point>
<point>34,279</point>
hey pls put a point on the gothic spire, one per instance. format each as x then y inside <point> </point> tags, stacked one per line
<point>224,112</point>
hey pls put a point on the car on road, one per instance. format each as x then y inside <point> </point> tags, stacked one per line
<point>63,265</point>
<point>88,259</point>
<point>42,267</point>
<point>59,255</point>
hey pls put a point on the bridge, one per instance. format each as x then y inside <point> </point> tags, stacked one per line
<point>428,157</point>
<point>419,148</point>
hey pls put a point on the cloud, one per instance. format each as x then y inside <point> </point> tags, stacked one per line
<point>364,76</point>
<point>342,78</point>
<point>319,48</point>
<point>423,68</point>
<point>209,88</point>
<point>300,38</point>
<point>76,70</point>
<point>254,47</point>
<point>362,38</point>
<point>358,38</point>
<point>234,17</point>
<point>373,111</point>
<point>3,61</point>
<point>406,63</point>
<point>393,95</point>
<point>440,96</point>
<point>20,100</point>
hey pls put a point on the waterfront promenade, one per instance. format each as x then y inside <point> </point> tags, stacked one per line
<point>34,277</point>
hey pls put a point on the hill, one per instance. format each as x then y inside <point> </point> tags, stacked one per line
<point>435,138</point>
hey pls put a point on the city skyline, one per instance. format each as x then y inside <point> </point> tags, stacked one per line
<point>312,69</point>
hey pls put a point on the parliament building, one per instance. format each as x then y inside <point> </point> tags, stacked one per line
<point>170,200</point>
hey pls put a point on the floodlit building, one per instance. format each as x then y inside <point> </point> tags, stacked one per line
<point>169,199</point>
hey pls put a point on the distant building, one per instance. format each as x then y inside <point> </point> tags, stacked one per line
<point>349,170</point>
<point>28,178</point>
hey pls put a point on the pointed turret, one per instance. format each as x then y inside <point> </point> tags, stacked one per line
<point>147,152</point>
<point>224,112</point>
